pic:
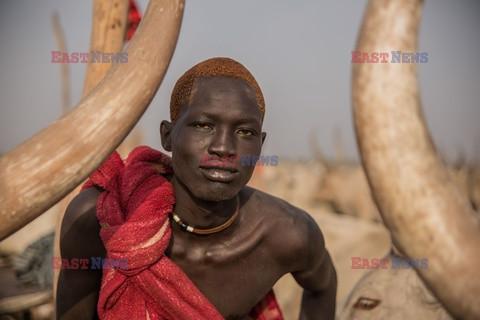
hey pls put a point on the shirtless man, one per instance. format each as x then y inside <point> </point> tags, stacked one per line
<point>220,114</point>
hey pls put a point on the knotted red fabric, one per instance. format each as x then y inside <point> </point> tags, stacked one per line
<point>134,213</point>
<point>133,20</point>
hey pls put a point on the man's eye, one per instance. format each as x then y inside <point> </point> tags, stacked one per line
<point>203,126</point>
<point>245,132</point>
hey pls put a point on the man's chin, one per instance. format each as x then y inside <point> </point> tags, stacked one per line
<point>217,193</point>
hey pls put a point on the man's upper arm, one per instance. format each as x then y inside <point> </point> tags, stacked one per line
<point>315,271</point>
<point>78,288</point>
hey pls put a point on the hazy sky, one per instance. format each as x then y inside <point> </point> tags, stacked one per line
<point>299,51</point>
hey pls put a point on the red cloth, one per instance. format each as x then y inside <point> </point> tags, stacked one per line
<point>267,309</point>
<point>134,214</point>
<point>134,18</point>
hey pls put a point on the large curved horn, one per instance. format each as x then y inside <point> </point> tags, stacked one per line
<point>109,22</point>
<point>426,213</point>
<point>42,170</point>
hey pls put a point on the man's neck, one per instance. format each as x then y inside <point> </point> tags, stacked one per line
<point>200,213</point>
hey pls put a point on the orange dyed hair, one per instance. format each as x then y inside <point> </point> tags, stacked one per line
<point>212,67</point>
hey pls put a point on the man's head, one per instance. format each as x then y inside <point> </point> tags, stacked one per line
<point>225,67</point>
<point>217,109</point>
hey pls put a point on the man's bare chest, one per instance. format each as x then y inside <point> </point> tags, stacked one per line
<point>233,275</point>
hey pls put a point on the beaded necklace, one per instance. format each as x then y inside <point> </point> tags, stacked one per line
<point>187,228</point>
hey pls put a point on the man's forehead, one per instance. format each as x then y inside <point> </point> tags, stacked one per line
<point>222,88</point>
<point>222,83</point>
<point>220,96</point>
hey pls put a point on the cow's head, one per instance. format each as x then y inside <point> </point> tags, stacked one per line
<point>396,292</point>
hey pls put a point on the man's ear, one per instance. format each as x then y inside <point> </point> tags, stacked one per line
<point>264,135</point>
<point>166,135</point>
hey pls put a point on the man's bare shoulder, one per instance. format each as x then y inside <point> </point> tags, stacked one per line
<point>274,207</point>
<point>80,239</point>
<point>290,229</point>
<point>80,227</point>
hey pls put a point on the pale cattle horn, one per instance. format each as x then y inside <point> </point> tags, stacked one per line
<point>427,214</point>
<point>42,170</point>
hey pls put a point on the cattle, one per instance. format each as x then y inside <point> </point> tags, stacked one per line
<point>392,293</point>
<point>427,214</point>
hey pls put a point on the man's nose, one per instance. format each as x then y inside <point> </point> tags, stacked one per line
<point>222,143</point>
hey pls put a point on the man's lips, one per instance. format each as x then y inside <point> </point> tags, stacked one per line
<point>219,173</point>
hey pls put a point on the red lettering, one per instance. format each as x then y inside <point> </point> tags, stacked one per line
<point>384,263</point>
<point>205,158</point>
<point>235,160</point>
<point>56,56</point>
<point>365,57</point>
<point>356,56</point>
<point>384,56</point>
<point>212,160</point>
<point>65,264</point>
<point>374,264</point>
<point>374,57</point>
<point>365,264</point>
<point>216,161</point>
<point>84,263</point>
<point>56,263</point>
<point>356,262</point>
<point>224,160</point>
<point>74,263</point>
<point>84,56</point>
<point>65,58</point>
<point>75,57</point>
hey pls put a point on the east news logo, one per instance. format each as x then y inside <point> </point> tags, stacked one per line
<point>382,57</point>
<point>92,57</point>
<point>96,263</point>
<point>397,263</point>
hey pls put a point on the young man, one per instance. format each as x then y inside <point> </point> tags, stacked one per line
<point>197,241</point>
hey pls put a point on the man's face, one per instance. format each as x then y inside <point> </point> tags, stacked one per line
<point>221,120</point>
